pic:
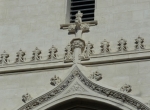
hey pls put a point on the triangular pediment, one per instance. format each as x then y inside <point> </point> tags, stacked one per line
<point>77,84</point>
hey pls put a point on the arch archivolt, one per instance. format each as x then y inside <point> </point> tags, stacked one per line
<point>77,86</point>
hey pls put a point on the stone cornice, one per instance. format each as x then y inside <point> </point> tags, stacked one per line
<point>13,69</point>
<point>129,56</point>
<point>116,57</point>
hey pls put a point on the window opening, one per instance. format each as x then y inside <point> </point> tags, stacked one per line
<point>87,7</point>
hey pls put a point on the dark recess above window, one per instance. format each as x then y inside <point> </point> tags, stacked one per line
<point>87,7</point>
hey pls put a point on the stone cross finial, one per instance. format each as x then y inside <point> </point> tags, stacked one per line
<point>88,50</point>
<point>53,53</point>
<point>20,56</point>
<point>77,28</point>
<point>68,53</point>
<point>4,58</point>
<point>122,43</point>
<point>36,54</point>
<point>139,43</point>
<point>105,47</point>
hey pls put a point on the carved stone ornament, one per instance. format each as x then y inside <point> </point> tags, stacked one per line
<point>36,55</point>
<point>77,43</point>
<point>71,28</point>
<point>76,73</point>
<point>76,88</point>
<point>88,50</point>
<point>78,17</point>
<point>122,45</point>
<point>20,56</point>
<point>68,53</point>
<point>126,88</point>
<point>78,24</point>
<point>139,43</point>
<point>26,98</point>
<point>96,75</point>
<point>105,47</point>
<point>53,53</point>
<point>55,81</point>
<point>4,58</point>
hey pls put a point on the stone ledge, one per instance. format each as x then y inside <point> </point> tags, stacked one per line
<point>116,57</point>
<point>15,69</point>
<point>130,56</point>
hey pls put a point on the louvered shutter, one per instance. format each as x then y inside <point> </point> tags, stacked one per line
<point>87,7</point>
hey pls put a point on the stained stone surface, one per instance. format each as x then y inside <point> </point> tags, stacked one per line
<point>27,24</point>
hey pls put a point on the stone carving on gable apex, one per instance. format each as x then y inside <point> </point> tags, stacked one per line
<point>68,53</point>
<point>76,88</point>
<point>53,53</point>
<point>36,55</point>
<point>126,88</point>
<point>4,58</point>
<point>26,98</point>
<point>139,43</point>
<point>96,76</point>
<point>54,81</point>
<point>122,45</point>
<point>20,56</point>
<point>105,47</point>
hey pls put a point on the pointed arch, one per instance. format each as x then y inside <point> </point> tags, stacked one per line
<point>116,97</point>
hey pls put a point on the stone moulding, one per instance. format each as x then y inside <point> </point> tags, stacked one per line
<point>76,73</point>
<point>90,23</point>
<point>130,56</point>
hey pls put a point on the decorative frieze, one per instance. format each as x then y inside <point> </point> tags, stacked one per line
<point>26,98</point>
<point>139,43</point>
<point>88,50</point>
<point>55,80</point>
<point>96,75</point>
<point>122,45</point>
<point>20,56</point>
<point>105,47</point>
<point>4,58</point>
<point>126,88</point>
<point>36,55</point>
<point>53,53</point>
<point>68,53</point>
<point>83,53</point>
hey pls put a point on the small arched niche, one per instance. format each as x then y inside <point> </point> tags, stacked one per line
<point>82,104</point>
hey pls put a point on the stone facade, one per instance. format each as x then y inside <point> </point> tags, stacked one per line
<point>111,52</point>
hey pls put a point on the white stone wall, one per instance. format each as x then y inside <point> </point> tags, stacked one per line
<point>27,24</point>
<point>12,87</point>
